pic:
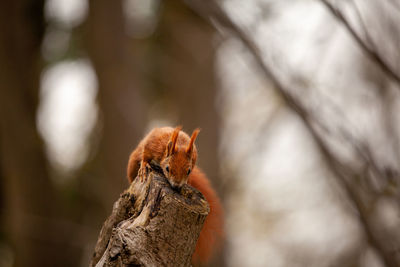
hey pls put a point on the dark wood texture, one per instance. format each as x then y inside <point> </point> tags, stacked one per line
<point>152,225</point>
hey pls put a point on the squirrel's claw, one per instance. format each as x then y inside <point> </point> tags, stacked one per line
<point>144,171</point>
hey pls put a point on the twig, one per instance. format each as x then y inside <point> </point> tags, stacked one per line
<point>368,39</point>
<point>211,9</point>
<point>369,51</point>
<point>395,4</point>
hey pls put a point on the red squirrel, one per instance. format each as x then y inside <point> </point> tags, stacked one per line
<point>176,154</point>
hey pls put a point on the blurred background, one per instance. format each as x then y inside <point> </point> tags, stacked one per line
<point>298,102</point>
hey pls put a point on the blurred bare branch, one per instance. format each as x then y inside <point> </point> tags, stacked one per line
<point>367,48</point>
<point>345,175</point>
<point>395,3</point>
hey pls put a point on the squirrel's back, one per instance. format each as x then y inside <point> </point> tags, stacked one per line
<point>154,147</point>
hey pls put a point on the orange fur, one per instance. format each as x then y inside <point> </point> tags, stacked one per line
<point>176,153</point>
<point>212,233</point>
<point>192,139</point>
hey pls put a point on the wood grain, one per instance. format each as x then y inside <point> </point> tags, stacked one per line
<point>152,225</point>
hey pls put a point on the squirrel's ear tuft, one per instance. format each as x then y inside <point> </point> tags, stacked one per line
<point>195,133</point>
<point>171,146</point>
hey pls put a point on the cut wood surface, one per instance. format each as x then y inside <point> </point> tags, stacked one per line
<point>152,225</point>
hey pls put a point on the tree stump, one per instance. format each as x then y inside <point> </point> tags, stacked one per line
<point>152,225</point>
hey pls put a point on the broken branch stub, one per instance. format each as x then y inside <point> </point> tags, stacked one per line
<point>152,225</point>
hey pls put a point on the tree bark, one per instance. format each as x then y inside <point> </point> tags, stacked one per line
<point>152,225</point>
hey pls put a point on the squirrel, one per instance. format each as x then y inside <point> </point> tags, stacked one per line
<point>176,154</point>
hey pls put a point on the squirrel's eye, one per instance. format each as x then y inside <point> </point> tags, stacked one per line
<point>188,172</point>
<point>167,168</point>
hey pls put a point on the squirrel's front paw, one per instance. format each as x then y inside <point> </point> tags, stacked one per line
<point>144,171</point>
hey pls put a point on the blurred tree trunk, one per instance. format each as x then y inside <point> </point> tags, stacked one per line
<point>121,114</point>
<point>186,73</point>
<point>184,68</point>
<point>30,200</point>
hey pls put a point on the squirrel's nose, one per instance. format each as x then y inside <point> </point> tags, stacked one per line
<point>174,185</point>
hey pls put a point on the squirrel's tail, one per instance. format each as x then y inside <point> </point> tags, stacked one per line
<point>212,233</point>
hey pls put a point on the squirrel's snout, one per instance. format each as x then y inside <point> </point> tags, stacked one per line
<point>175,185</point>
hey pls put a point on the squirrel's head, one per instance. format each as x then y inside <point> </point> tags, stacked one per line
<point>179,161</point>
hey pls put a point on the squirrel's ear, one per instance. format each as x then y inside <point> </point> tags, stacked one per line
<point>195,133</point>
<point>171,146</point>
